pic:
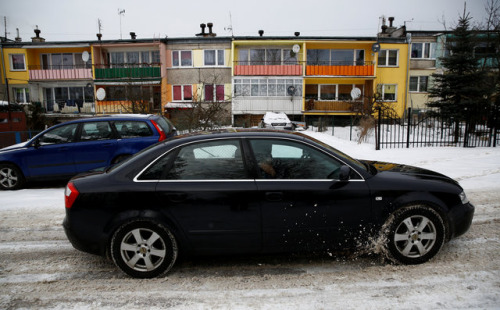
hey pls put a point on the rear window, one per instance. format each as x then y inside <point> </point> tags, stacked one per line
<point>165,124</point>
<point>133,129</point>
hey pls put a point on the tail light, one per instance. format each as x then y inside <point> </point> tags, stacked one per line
<point>70,195</point>
<point>163,136</point>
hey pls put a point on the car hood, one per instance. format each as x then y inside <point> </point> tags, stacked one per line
<point>14,147</point>
<point>411,171</point>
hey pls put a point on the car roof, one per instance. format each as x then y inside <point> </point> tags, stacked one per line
<point>113,118</point>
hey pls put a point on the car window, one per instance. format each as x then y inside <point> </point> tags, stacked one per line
<point>165,124</point>
<point>133,129</point>
<point>284,159</point>
<point>96,131</point>
<point>214,160</point>
<point>63,134</point>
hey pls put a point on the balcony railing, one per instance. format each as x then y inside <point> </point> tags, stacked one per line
<point>340,68</point>
<point>127,71</point>
<point>60,72</point>
<point>328,106</point>
<point>267,68</point>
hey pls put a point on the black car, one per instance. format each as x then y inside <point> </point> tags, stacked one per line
<point>250,191</point>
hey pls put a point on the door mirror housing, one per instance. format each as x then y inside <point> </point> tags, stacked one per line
<point>36,143</point>
<point>345,172</point>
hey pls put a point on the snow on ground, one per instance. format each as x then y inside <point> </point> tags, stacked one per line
<point>40,269</point>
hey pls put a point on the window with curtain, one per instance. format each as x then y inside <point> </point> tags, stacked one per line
<point>182,93</point>
<point>17,62</point>
<point>387,91</point>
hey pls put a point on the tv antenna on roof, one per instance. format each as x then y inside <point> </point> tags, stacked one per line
<point>121,13</point>
<point>230,27</point>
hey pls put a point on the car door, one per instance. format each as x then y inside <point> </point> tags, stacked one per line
<point>96,146</point>
<point>134,136</point>
<point>208,191</point>
<point>50,154</point>
<point>304,204</point>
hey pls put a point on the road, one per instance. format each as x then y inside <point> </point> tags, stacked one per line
<point>40,269</point>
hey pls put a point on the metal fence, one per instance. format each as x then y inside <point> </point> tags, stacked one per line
<point>425,129</point>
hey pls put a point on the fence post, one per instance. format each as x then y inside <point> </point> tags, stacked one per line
<point>18,137</point>
<point>408,129</point>
<point>377,143</point>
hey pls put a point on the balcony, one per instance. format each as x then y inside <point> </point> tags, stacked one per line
<point>328,106</point>
<point>263,68</point>
<point>127,71</point>
<point>357,68</point>
<point>44,73</point>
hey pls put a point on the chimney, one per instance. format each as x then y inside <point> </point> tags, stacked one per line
<point>391,19</point>
<point>297,33</point>
<point>18,38</point>
<point>210,25</point>
<point>210,32</point>
<point>261,33</point>
<point>202,29</point>
<point>37,38</point>
<point>132,35</point>
<point>99,36</point>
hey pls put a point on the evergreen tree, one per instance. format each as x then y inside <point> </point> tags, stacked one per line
<point>460,91</point>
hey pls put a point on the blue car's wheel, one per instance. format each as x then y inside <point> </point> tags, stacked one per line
<point>11,177</point>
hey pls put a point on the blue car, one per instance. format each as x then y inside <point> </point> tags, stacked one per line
<point>67,149</point>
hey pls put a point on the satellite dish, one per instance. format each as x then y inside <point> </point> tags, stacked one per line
<point>296,48</point>
<point>375,47</point>
<point>291,90</point>
<point>355,93</point>
<point>100,94</point>
<point>85,56</point>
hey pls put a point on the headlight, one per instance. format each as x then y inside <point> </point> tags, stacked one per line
<point>464,198</point>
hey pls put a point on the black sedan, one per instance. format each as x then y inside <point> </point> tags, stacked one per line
<point>250,191</point>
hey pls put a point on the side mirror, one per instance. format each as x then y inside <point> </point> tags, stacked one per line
<point>36,144</point>
<point>344,174</point>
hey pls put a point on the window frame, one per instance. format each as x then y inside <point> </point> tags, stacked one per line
<point>24,91</point>
<point>183,90</point>
<point>11,62</point>
<point>219,60</point>
<point>279,84</point>
<point>382,92</point>
<point>427,47</point>
<point>386,62</point>
<point>179,58</point>
<point>418,84</point>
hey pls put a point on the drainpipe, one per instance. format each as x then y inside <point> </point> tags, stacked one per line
<point>407,88</point>
<point>6,86</point>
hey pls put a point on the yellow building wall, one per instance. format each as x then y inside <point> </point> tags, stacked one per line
<point>15,77</point>
<point>395,75</point>
<point>34,54</point>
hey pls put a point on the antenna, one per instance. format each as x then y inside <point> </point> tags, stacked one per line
<point>121,13</point>
<point>99,24</point>
<point>230,27</point>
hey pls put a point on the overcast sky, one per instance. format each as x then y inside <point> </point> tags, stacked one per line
<point>74,20</point>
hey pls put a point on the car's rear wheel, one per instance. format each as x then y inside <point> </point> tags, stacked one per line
<point>144,249</point>
<point>414,234</point>
<point>11,177</point>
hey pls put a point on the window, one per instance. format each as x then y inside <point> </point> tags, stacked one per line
<point>96,131</point>
<point>331,92</point>
<point>387,91</point>
<point>388,58</point>
<point>418,83</point>
<point>269,56</point>
<point>183,92</point>
<point>335,57</point>
<point>70,96</point>
<point>21,95</point>
<point>182,59</point>
<point>214,57</point>
<point>63,134</point>
<point>423,50</point>
<point>266,87</point>
<point>213,160</point>
<point>280,159</point>
<point>17,62</point>
<point>134,59</point>
<point>132,129</point>
<point>217,96</point>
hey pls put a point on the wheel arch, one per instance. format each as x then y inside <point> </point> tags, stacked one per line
<point>147,215</point>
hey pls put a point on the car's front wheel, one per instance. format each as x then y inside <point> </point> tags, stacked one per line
<point>414,234</point>
<point>144,249</point>
<point>11,177</point>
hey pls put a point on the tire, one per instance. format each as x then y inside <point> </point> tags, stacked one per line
<point>414,235</point>
<point>11,177</point>
<point>144,249</point>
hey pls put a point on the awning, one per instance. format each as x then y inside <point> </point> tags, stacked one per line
<point>178,105</point>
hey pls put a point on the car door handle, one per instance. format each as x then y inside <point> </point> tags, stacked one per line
<point>274,196</point>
